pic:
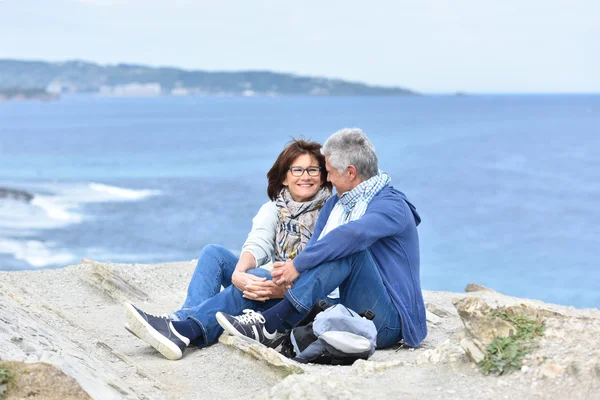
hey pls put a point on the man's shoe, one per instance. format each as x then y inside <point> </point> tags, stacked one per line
<point>249,326</point>
<point>158,332</point>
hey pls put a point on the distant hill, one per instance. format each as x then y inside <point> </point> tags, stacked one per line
<point>12,93</point>
<point>127,79</point>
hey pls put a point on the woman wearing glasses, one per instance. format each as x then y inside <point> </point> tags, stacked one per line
<point>297,189</point>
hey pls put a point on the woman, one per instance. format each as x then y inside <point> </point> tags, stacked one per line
<point>297,188</point>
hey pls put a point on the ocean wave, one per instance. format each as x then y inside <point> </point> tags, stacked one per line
<point>122,193</point>
<point>44,212</point>
<point>59,205</point>
<point>92,192</point>
<point>57,208</point>
<point>54,205</point>
<point>36,253</point>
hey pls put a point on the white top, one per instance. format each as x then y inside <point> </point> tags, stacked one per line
<point>261,239</point>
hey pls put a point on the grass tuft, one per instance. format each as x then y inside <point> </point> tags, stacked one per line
<point>505,354</point>
<point>6,375</point>
<point>6,378</point>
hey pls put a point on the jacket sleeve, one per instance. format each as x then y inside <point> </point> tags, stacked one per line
<point>261,239</point>
<point>384,217</point>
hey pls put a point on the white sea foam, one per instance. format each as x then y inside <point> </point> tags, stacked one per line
<point>18,218</point>
<point>80,193</point>
<point>57,208</point>
<point>122,193</point>
<point>54,205</point>
<point>35,253</point>
<point>63,206</point>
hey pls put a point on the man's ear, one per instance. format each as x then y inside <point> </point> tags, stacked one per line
<point>352,172</point>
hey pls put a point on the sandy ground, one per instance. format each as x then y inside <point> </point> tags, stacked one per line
<point>73,318</point>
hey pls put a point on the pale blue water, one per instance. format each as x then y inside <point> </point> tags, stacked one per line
<point>507,186</point>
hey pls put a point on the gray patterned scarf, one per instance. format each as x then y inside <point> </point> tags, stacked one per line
<point>296,222</point>
<point>353,204</point>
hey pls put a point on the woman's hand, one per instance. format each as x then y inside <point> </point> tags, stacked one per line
<point>242,279</point>
<point>263,291</point>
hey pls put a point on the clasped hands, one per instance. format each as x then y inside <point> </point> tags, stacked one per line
<point>284,273</point>
<point>261,289</point>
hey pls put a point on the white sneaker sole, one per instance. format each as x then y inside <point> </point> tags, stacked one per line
<point>128,329</point>
<point>137,325</point>
<point>226,325</point>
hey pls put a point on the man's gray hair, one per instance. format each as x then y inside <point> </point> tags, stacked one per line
<point>350,146</point>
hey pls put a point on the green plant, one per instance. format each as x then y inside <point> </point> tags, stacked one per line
<point>5,375</point>
<point>505,354</point>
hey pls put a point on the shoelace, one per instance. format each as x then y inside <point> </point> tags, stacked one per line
<point>164,316</point>
<point>161,316</point>
<point>250,317</point>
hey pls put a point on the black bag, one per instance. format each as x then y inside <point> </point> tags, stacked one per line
<point>331,334</point>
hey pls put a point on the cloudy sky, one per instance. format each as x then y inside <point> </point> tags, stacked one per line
<point>431,46</point>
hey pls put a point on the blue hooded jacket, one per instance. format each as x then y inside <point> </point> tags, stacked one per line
<point>388,229</point>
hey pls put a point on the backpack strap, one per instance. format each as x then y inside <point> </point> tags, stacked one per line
<point>287,348</point>
<point>326,358</point>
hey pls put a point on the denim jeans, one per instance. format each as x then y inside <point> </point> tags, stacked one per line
<point>361,288</point>
<point>205,297</point>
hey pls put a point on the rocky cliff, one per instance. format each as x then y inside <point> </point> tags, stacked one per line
<point>72,318</point>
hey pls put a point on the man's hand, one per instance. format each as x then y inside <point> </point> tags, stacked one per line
<point>242,279</point>
<point>263,291</point>
<point>284,273</point>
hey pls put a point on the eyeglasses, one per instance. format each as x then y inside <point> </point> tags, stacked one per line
<point>299,171</point>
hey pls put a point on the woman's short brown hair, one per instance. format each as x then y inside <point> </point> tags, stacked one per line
<point>293,150</point>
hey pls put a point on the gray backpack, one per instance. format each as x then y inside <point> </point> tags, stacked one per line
<point>331,334</point>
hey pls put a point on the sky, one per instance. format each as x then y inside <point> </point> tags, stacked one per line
<point>432,46</point>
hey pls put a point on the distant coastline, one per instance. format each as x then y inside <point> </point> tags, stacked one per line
<point>122,80</point>
<point>27,94</point>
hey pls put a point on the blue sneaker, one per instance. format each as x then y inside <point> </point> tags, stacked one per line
<point>249,326</point>
<point>158,332</point>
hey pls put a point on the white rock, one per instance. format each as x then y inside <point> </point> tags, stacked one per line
<point>432,318</point>
<point>472,350</point>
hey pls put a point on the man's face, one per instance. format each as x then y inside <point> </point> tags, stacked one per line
<point>339,181</point>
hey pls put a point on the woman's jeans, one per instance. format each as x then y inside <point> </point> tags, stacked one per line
<point>205,297</point>
<point>361,288</point>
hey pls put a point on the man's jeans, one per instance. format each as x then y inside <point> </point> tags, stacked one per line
<point>361,288</point>
<point>205,297</point>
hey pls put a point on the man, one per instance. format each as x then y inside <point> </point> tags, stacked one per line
<point>365,242</point>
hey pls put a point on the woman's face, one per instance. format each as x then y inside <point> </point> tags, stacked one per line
<point>304,187</point>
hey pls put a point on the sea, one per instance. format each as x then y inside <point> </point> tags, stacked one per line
<point>508,186</point>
